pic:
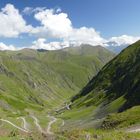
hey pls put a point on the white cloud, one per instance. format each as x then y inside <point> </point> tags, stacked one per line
<point>85,35</point>
<point>31,10</point>
<point>117,44</point>
<point>77,37</point>
<point>54,23</point>
<point>41,43</point>
<point>12,23</point>
<point>6,47</point>
<point>28,10</point>
<point>122,40</point>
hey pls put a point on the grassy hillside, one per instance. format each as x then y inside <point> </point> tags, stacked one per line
<point>128,118</point>
<point>114,89</point>
<point>35,82</point>
<point>34,78</point>
<point>118,81</point>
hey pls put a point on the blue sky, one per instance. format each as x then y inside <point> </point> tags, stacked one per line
<point>112,18</point>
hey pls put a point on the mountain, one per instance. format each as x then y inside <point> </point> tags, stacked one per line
<point>118,81</point>
<point>116,48</point>
<point>114,89</point>
<point>38,79</point>
<point>35,83</point>
<point>36,86</point>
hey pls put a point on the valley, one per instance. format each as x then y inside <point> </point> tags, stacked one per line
<point>109,103</point>
<point>69,70</point>
<point>36,83</point>
<point>43,100</point>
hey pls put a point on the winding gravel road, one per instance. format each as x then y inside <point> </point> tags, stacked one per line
<point>36,121</point>
<point>53,120</point>
<point>25,124</point>
<point>24,130</point>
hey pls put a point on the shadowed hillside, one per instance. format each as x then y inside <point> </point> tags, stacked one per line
<point>118,79</point>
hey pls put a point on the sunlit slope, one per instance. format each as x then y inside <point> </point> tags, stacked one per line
<point>44,79</point>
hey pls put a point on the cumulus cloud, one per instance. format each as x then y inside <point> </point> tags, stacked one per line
<point>122,40</point>
<point>117,44</point>
<point>12,23</point>
<point>76,38</point>
<point>6,47</point>
<point>54,23</point>
<point>41,43</point>
<point>85,35</point>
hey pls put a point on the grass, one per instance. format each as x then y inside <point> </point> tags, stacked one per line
<point>126,119</point>
<point>116,104</point>
<point>118,82</point>
<point>99,135</point>
<point>77,113</point>
<point>39,82</point>
<point>114,89</point>
<point>79,118</point>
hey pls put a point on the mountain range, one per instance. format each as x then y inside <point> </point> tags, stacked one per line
<point>36,82</point>
<point>81,89</point>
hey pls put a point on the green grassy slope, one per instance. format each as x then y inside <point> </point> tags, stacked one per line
<point>36,82</point>
<point>114,89</point>
<point>44,79</point>
<point>126,119</point>
<point>118,80</point>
